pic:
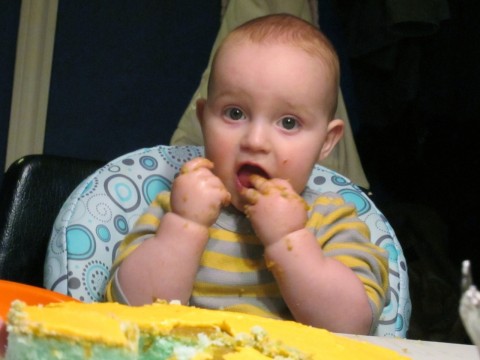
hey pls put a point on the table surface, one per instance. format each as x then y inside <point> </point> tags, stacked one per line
<point>424,350</point>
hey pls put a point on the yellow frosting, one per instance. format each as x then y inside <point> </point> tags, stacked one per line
<point>118,325</point>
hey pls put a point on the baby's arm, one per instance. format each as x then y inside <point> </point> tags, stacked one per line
<point>164,266</point>
<point>318,290</point>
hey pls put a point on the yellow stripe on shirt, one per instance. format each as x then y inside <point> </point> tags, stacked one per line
<point>230,263</point>
<point>230,236</point>
<point>219,290</point>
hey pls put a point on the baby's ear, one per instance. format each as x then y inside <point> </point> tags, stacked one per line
<point>200,106</point>
<point>334,134</point>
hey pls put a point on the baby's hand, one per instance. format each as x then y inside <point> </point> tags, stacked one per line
<point>275,209</point>
<point>197,194</point>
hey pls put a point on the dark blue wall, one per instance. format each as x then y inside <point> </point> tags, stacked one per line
<point>124,72</point>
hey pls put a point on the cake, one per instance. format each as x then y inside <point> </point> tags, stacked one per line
<point>74,330</point>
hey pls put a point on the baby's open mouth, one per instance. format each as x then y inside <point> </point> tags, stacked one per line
<point>246,171</point>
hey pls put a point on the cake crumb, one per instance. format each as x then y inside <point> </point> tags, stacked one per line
<point>289,244</point>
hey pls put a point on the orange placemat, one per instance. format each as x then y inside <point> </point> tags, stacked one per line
<point>31,295</point>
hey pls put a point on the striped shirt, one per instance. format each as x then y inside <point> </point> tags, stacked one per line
<point>233,274</point>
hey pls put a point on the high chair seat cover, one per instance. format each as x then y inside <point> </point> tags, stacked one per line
<point>104,207</point>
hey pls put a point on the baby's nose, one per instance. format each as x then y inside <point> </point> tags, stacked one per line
<point>256,138</point>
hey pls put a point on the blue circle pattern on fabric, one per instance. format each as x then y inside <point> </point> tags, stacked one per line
<point>357,198</point>
<point>154,185</point>
<point>121,224</point>
<point>102,209</point>
<point>123,192</point>
<point>94,276</point>
<point>103,233</point>
<point>80,242</point>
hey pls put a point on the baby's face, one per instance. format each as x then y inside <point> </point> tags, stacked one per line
<point>266,114</point>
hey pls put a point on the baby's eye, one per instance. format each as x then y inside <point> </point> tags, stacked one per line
<point>234,113</point>
<point>289,123</point>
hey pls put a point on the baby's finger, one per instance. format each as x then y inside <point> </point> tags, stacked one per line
<point>280,183</point>
<point>251,195</point>
<point>260,183</point>
<point>196,164</point>
<point>247,210</point>
<point>226,198</point>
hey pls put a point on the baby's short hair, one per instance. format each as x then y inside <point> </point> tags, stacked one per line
<point>290,30</point>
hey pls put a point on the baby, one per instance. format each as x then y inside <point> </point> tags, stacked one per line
<point>240,229</point>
